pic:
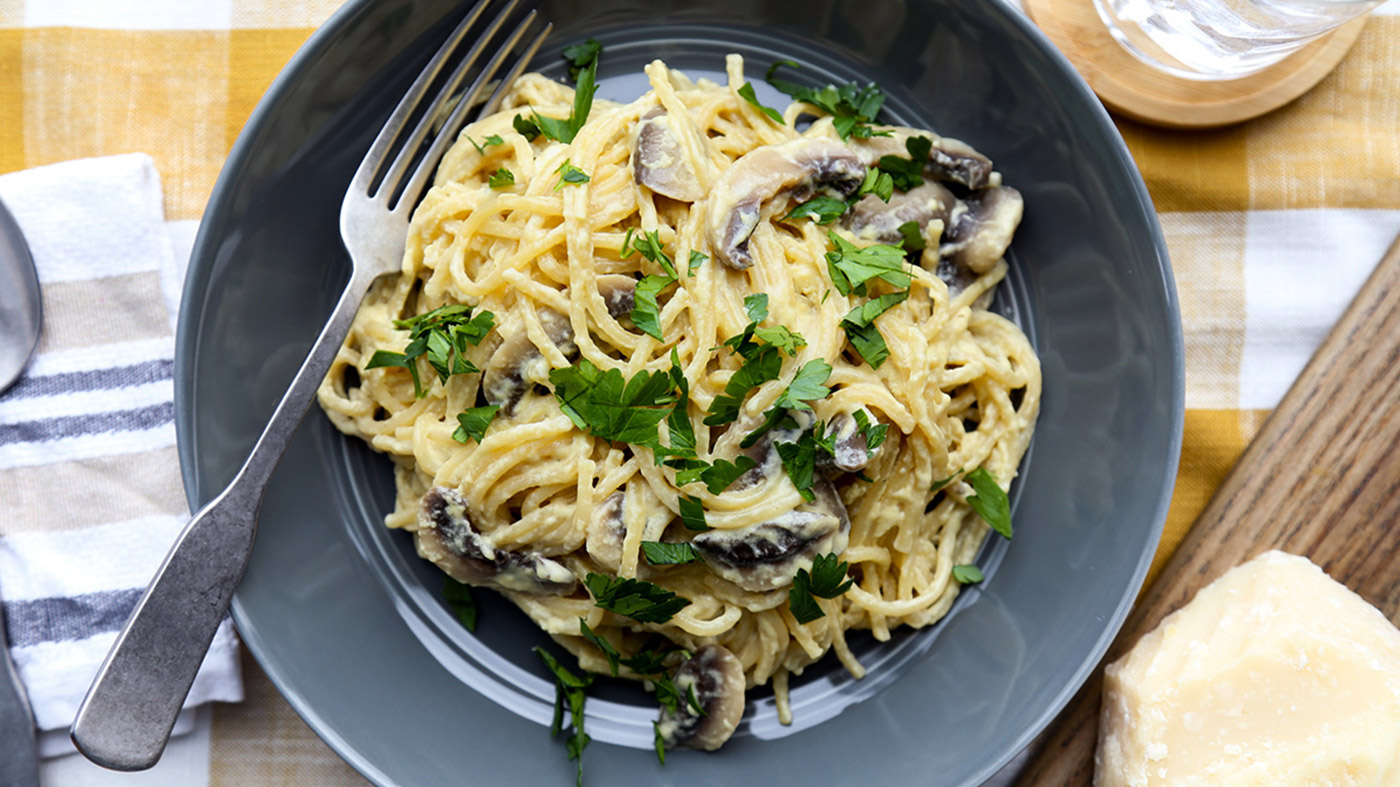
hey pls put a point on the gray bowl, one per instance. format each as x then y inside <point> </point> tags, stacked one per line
<point>349,623</point>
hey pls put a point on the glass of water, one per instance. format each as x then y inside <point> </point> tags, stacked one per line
<point>1222,39</point>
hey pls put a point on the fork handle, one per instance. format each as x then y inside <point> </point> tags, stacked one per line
<point>126,717</point>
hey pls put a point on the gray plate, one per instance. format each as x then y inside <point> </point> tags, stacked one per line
<point>348,622</point>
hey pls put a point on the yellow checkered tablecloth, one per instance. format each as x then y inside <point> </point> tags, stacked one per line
<point>1272,226</point>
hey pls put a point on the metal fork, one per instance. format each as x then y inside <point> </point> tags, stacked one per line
<point>126,718</point>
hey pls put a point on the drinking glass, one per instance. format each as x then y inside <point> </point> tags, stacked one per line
<point>1222,39</point>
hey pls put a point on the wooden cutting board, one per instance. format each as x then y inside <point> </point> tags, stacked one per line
<point>1321,479</point>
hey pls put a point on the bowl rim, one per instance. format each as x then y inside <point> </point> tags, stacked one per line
<point>243,149</point>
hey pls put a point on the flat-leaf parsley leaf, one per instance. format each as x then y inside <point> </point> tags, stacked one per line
<point>827,579</point>
<point>635,598</point>
<point>990,501</point>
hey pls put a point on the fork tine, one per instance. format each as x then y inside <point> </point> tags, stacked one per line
<point>373,163</point>
<point>516,70</point>
<point>388,187</point>
<point>456,120</point>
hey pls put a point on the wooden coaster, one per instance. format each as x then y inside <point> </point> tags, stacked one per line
<point>1133,88</point>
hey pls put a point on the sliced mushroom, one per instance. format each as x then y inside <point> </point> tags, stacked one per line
<point>950,160</point>
<point>607,529</point>
<point>766,556</point>
<point>658,161</point>
<point>770,464</point>
<point>980,228</point>
<point>619,293</point>
<point>445,536</point>
<point>852,451</point>
<point>874,219</point>
<point>954,160</point>
<point>716,678</point>
<point>955,276</point>
<point>800,166</point>
<point>518,364</point>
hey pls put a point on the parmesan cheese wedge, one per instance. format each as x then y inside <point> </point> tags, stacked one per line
<point>1275,674</point>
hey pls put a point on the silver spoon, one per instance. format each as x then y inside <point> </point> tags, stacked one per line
<point>20,316</point>
<point>20,312</point>
<point>19,757</point>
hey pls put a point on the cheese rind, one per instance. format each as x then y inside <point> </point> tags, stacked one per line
<point>1274,674</point>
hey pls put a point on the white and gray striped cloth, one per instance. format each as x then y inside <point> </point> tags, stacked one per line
<point>90,494</point>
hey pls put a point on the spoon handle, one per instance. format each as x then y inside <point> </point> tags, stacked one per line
<point>126,717</point>
<point>19,759</point>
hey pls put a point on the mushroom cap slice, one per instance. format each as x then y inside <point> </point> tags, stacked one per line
<point>607,529</point>
<point>446,537</point>
<point>852,452</point>
<point>801,166</point>
<point>874,219</point>
<point>766,556</point>
<point>956,277</point>
<point>950,160</point>
<point>619,293</point>
<point>518,364</point>
<point>717,678</point>
<point>956,161</point>
<point>981,227</point>
<point>659,163</point>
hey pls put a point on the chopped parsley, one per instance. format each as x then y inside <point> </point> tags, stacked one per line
<point>852,107</point>
<point>990,501</point>
<point>609,406</point>
<point>459,598</point>
<point>907,173</point>
<point>809,385</point>
<point>756,307</point>
<point>696,260</point>
<point>942,482</point>
<point>859,324</point>
<point>637,599</point>
<point>494,139</point>
<point>441,336</point>
<point>874,433</point>
<point>746,93</point>
<point>649,245</point>
<point>716,475</point>
<point>472,423</point>
<point>658,742</point>
<point>648,663</point>
<point>579,55</point>
<point>823,210</point>
<point>827,579</point>
<point>682,433</point>
<point>565,130</point>
<point>800,458</point>
<point>646,311</point>
<point>851,266</point>
<point>501,178</point>
<point>692,513</point>
<point>608,651</point>
<point>967,574</point>
<point>913,236</point>
<point>764,365</point>
<point>877,182</point>
<point>526,128</point>
<point>569,689</point>
<point>568,173</point>
<point>660,553</point>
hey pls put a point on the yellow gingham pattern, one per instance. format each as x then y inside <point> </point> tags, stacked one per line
<point>183,95</point>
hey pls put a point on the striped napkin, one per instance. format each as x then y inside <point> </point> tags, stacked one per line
<point>90,494</point>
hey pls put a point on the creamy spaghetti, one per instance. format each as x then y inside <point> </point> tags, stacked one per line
<point>559,251</point>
